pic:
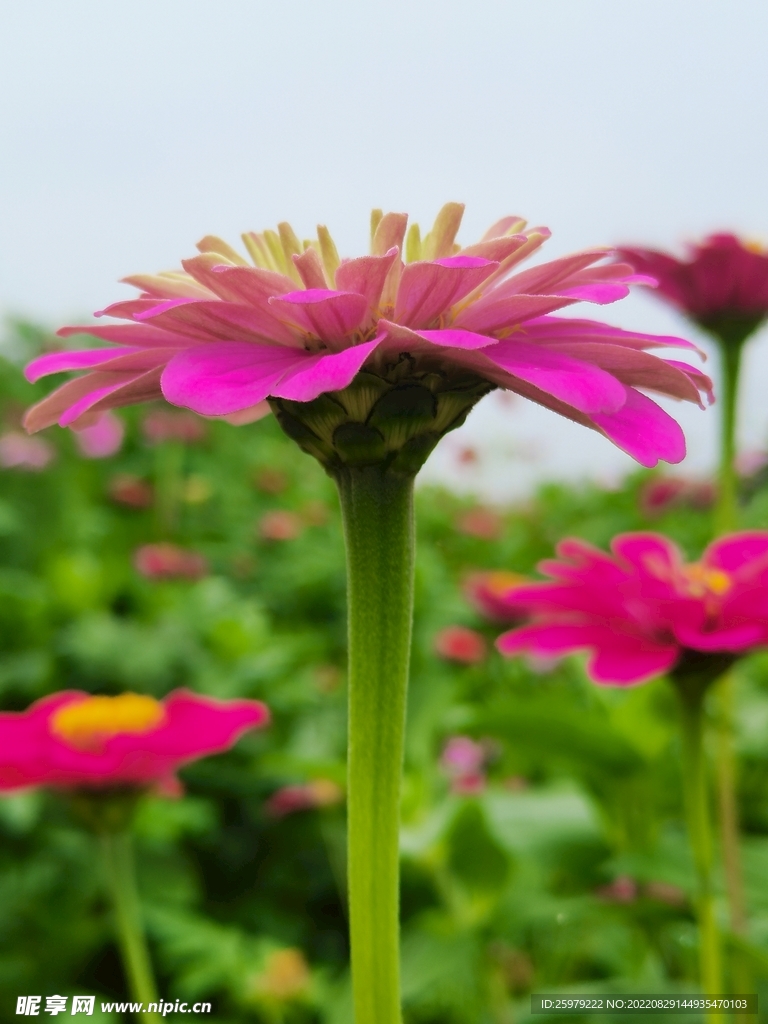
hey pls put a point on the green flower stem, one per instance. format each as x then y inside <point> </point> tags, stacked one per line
<point>121,878</point>
<point>726,511</point>
<point>700,832</point>
<point>377,512</point>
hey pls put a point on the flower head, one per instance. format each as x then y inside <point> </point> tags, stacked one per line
<point>371,360</point>
<point>72,739</point>
<point>642,610</point>
<point>723,285</point>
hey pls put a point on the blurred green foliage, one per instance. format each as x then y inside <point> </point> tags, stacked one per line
<point>567,870</point>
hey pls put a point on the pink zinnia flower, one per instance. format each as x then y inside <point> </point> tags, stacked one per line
<point>723,283</point>
<point>101,439</point>
<point>642,610</point>
<point>72,739</point>
<point>304,797</point>
<point>168,561</point>
<point>405,349</point>
<point>458,643</point>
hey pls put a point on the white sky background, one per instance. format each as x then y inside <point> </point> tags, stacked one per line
<point>130,130</point>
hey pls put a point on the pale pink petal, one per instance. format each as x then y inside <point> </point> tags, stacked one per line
<point>131,334</point>
<point>168,286</point>
<point>366,275</point>
<point>582,385</point>
<point>544,279</point>
<point>643,430</point>
<point>310,268</point>
<point>217,380</point>
<point>142,388</point>
<point>329,315</point>
<point>450,338</point>
<point>428,289</point>
<point>486,314</point>
<point>602,293</point>
<point>249,415</point>
<point>223,321</point>
<point>555,329</point>
<point>246,285</point>
<point>49,411</point>
<point>323,373</point>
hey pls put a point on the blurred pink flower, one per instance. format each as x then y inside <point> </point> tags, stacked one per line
<point>304,797</point>
<point>621,890</point>
<point>641,609</point>
<point>458,643</point>
<point>280,525</point>
<point>657,496</point>
<point>723,276</point>
<point>463,761</point>
<point>72,739</point>
<point>102,438</point>
<point>480,522</point>
<point>18,451</point>
<point>486,592</point>
<point>168,561</point>
<point>224,335</point>
<point>127,489</point>
<point>167,425</point>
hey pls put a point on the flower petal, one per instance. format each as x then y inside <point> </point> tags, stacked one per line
<point>643,430</point>
<point>323,373</point>
<point>329,315</point>
<point>428,289</point>
<point>223,321</point>
<point>59,362</point>
<point>217,380</point>
<point>366,275</point>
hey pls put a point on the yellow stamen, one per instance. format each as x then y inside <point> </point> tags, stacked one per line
<point>86,724</point>
<point>439,242</point>
<point>500,582</point>
<point>754,245</point>
<point>213,244</point>
<point>258,251</point>
<point>329,253</point>
<point>376,216</point>
<point>413,245</point>
<point>702,580</point>
<point>291,247</point>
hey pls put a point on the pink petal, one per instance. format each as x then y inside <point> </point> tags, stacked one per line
<point>544,279</point>
<point>224,321</point>
<point>246,285</point>
<point>738,551</point>
<point>643,430</point>
<point>323,373</point>
<point>366,275</point>
<point>58,362</point>
<point>582,385</point>
<point>602,293</point>
<point>136,388</point>
<point>450,338</point>
<point>428,289</point>
<point>131,334</point>
<point>322,313</point>
<point>491,314</point>
<point>217,380</point>
<point>556,329</point>
<point>737,638</point>
<point>51,409</point>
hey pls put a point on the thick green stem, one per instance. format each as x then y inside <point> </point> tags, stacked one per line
<point>377,511</point>
<point>121,877</point>
<point>726,512</point>
<point>700,832</point>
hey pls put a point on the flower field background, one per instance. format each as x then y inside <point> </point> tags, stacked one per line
<point>543,843</point>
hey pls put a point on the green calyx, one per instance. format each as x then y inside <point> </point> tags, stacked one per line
<point>392,418</point>
<point>696,671</point>
<point>731,329</point>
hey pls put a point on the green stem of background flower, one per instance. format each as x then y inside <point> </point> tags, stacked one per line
<point>700,832</point>
<point>121,878</point>
<point>377,511</point>
<point>726,511</point>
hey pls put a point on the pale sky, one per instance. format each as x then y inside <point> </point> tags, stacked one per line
<point>131,130</point>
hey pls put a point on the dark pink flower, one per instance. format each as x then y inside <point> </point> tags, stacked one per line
<point>450,324</point>
<point>642,609</point>
<point>101,439</point>
<point>280,524</point>
<point>168,561</point>
<point>458,643</point>
<point>723,277</point>
<point>303,797</point>
<point>487,592</point>
<point>657,496</point>
<point>72,739</point>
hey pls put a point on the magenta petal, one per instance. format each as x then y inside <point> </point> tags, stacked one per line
<point>631,663</point>
<point>602,293</point>
<point>643,430</point>
<point>747,550</point>
<point>323,373</point>
<point>449,338</point>
<point>322,313</point>
<point>58,362</point>
<point>736,638</point>
<point>219,379</point>
<point>582,385</point>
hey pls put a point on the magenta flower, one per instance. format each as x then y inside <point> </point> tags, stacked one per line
<point>169,562</point>
<point>458,643</point>
<point>724,278</point>
<point>72,739</point>
<point>642,611</point>
<point>404,348</point>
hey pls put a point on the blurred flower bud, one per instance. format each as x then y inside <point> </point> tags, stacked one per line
<point>19,451</point>
<point>168,561</point>
<point>127,489</point>
<point>480,522</point>
<point>485,591</point>
<point>279,525</point>
<point>285,976</point>
<point>303,797</point>
<point>621,890</point>
<point>271,480</point>
<point>458,643</point>
<point>462,761</point>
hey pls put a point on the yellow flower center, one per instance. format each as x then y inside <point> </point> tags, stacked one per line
<point>87,724</point>
<point>499,582</point>
<point>701,580</point>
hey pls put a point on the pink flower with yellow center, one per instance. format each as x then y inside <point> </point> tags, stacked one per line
<point>71,739</point>
<point>370,360</point>
<point>642,610</point>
